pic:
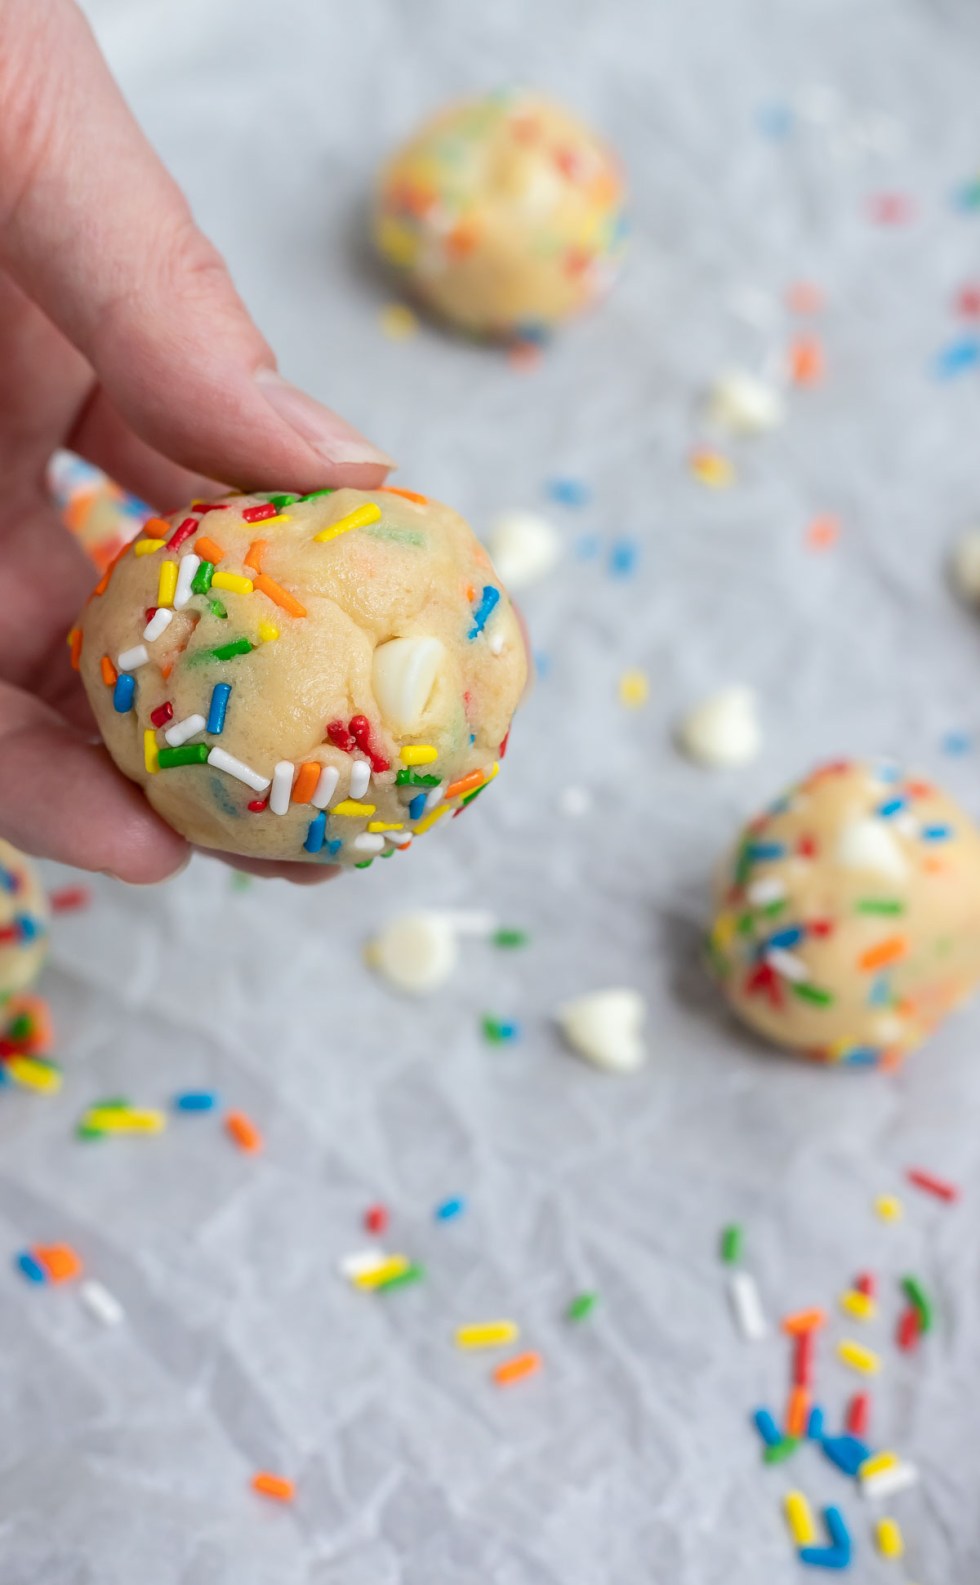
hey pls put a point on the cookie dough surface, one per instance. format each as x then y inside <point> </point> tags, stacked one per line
<point>504,214</point>
<point>319,678</point>
<point>23,922</point>
<point>848,918</point>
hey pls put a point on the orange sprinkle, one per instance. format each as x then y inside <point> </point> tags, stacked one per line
<point>465,784</point>
<point>517,1368</point>
<point>75,645</point>
<point>934,866</point>
<point>279,596</point>
<point>166,670</point>
<point>305,784</point>
<point>156,528</point>
<point>920,789</point>
<point>208,550</point>
<point>276,1486</point>
<point>103,583</point>
<point>524,354</point>
<point>109,672</point>
<point>59,1261</point>
<point>887,951</point>
<point>470,593</point>
<point>797,1412</point>
<point>806,361</point>
<point>803,1321</point>
<point>409,495</point>
<point>461,240</point>
<point>804,298</point>
<point>255,553</point>
<point>243,1131</point>
<point>823,532</point>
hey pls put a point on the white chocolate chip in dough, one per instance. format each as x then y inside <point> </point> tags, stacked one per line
<point>965,566</point>
<point>722,731</point>
<point>606,1028</point>
<point>523,547</point>
<point>743,404</point>
<point>403,674</point>
<point>415,953</point>
<point>868,844</point>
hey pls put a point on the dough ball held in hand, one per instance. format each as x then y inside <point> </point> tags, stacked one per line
<point>504,215</point>
<point>317,678</point>
<point>848,917</point>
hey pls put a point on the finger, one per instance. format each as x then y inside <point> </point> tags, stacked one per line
<point>62,798</point>
<point>93,227</point>
<point>267,869</point>
<point>101,435</point>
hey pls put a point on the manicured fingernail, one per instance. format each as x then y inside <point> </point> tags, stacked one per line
<point>332,438</point>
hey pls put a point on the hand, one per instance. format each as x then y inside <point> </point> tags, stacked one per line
<point>123,338</point>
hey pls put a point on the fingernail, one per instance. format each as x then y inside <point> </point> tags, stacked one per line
<point>330,436</point>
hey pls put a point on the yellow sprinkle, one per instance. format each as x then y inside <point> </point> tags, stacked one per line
<point>232,581</point>
<point>877,1464</point>
<point>146,547</point>
<point>888,1207</point>
<point>382,825</point>
<point>634,689</point>
<point>430,819</point>
<point>268,631</point>
<point>125,1120</point>
<point>151,752</point>
<point>860,1305</point>
<point>419,754</point>
<point>891,1542</point>
<point>33,1075</point>
<point>712,469</point>
<point>487,1334</point>
<point>267,522</point>
<point>361,516</point>
<point>383,1271</point>
<point>397,241</point>
<point>858,1357</point>
<point>167,587</point>
<point>398,321</point>
<point>723,930</point>
<point>348,806</point>
<point>799,1517</point>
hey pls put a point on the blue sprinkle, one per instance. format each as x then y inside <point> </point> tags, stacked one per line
<point>968,196</point>
<point>838,1554</point>
<point>790,937</point>
<point>936,833</point>
<point>124,692</point>
<point>892,806</point>
<point>569,492</point>
<point>196,1101</point>
<point>450,1209</point>
<point>587,548</point>
<point>335,846</point>
<point>956,743</point>
<point>814,1425</point>
<point>533,330</point>
<point>847,1452</point>
<point>958,357</point>
<point>5,1078</point>
<point>416,807</point>
<point>861,1057</point>
<point>481,614</point>
<point>316,834</point>
<point>880,994</point>
<point>9,881</point>
<point>623,558</point>
<point>767,1428</point>
<point>775,121</point>
<point>220,694</point>
<point>29,927</point>
<point>30,1268</point>
<point>542,664</point>
<point>837,1528</point>
<point>888,772</point>
<point>760,852</point>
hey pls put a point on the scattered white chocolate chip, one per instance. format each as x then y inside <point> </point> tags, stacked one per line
<point>606,1028</point>
<point>403,675</point>
<point>724,730</point>
<point>869,845</point>
<point>524,547</point>
<point>965,566</point>
<point>743,404</point>
<point>416,952</point>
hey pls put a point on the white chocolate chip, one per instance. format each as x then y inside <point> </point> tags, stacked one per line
<point>524,547</point>
<point>606,1028</point>
<point>416,952</point>
<point>965,566</point>
<point>743,404</point>
<point>722,731</point>
<point>869,845</point>
<point>403,674</point>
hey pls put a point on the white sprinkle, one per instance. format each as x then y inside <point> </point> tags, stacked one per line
<point>132,659</point>
<point>889,1481</point>
<point>186,573</point>
<point>523,547</point>
<point>787,964</point>
<point>770,889</point>
<point>575,802</point>
<point>743,404</point>
<point>399,839</point>
<point>868,845</point>
<point>222,760</point>
<point>360,1261</point>
<point>325,787</point>
<point>101,1303</point>
<point>606,1028</point>
<point>434,798</point>
<point>158,623</point>
<point>416,953</point>
<point>496,644</point>
<point>360,777</point>
<point>746,1303</point>
<point>723,731</point>
<point>368,842</point>
<point>183,731</point>
<point>282,786</point>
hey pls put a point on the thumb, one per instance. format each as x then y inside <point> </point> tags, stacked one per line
<point>97,233</point>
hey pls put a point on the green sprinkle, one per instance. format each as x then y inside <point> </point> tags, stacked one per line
<point>113,1103</point>
<point>781,1451</point>
<point>412,778</point>
<point>582,1305</point>
<point>85,1131</point>
<point>20,1027</point>
<point>412,1273</point>
<point>365,864</point>
<point>315,495</point>
<point>919,1299</point>
<point>772,909</point>
<point>238,646</point>
<point>811,993</point>
<point>510,938</point>
<point>743,863</point>
<point>474,794</point>
<point>745,923</point>
<point>880,905</point>
<point>240,882</point>
<point>201,582</point>
<point>400,536</point>
<point>731,1243</point>
<point>492,1029</point>
<point>217,609</point>
<point>279,501</point>
<point>190,754</point>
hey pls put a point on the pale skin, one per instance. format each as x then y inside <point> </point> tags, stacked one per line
<point>122,337</point>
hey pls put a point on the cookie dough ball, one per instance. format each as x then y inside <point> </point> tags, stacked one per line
<point>848,919</point>
<point>320,678</point>
<point>23,922</point>
<point>504,214</point>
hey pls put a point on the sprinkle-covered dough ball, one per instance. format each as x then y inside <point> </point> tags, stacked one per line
<point>318,678</point>
<point>504,214</point>
<point>848,919</point>
<point>23,922</point>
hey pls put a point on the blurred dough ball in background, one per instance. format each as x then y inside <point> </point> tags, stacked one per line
<point>23,922</point>
<point>504,215</point>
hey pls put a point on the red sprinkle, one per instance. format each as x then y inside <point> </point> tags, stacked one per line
<point>502,750</point>
<point>150,612</point>
<point>803,1358</point>
<point>9,933</point>
<point>69,899</point>
<point>258,514</point>
<point>376,1218</point>
<point>182,532</point>
<point>891,209</point>
<point>933,1185</point>
<point>807,847</point>
<point>360,731</point>
<point>858,1415</point>
<point>865,1282</point>
<point>201,507</point>
<point>162,714</point>
<point>340,737</point>
<point>820,927</point>
<point>907,1335</point>
<point>258,806</point>
<point>968,302</point>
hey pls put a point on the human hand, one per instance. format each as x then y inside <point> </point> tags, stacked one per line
<point>123,338</point>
